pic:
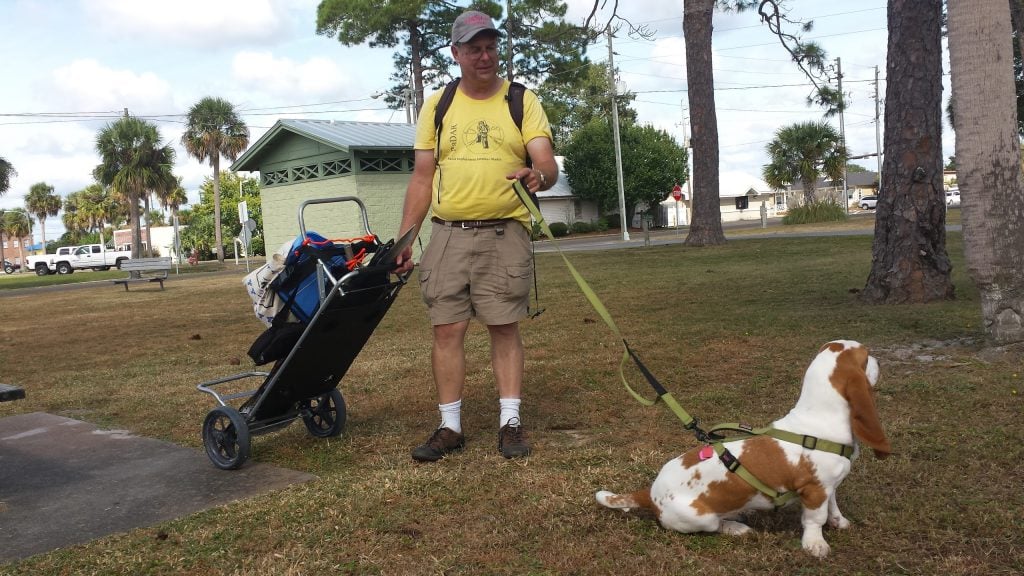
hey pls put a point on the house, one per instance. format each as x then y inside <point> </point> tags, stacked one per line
<point>560,204</point>
<point>301,160</point>
<point>858,185</point>
<point>163,240</point>
<point>741,196</point>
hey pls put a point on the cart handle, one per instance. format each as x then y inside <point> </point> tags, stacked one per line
<point>362,211</point>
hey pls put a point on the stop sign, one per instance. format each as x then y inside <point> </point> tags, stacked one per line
<point>677,192</point>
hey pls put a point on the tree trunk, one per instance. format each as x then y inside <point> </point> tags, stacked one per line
<point>149,236</point>
<point>809,190</point>
<point>1017,20</point>
<point>133,215</point>
<point>706,227</point>
<point>416,54</point>
<point>218,237</point>
<point>909,262</point>
<point>988,161</point>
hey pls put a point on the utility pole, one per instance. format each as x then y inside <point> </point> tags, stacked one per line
<point>842,128</point>
<point>615,135</point>
<point>508,41</point>
<point>878,133</point>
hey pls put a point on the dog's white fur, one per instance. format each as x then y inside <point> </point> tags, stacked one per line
<point>695,494</point>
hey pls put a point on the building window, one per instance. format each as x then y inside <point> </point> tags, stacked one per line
<point>383,164</point>
<point>577,208</point>
<point>742,203</point>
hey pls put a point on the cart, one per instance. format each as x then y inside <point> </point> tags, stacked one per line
<point>348,303</point>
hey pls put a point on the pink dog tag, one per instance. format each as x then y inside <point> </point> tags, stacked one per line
<point>706,452</point>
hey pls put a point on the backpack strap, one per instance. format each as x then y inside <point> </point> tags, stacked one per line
<point>442,108</point>
<point>515,103</point>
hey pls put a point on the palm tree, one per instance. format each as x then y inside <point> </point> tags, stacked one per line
<point>173,199</point>
<point>3,233</point>
<point>133,162</point>
<point>213,129</point>
<point>6,172</point>
<point>42,202</point>
<point>803,152</point>
<point>18,225</point>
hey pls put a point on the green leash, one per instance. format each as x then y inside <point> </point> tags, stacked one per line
<point>714,436</point>
<point>689,422</point>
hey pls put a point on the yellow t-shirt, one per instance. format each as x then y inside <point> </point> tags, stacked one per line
<point>480,145</point>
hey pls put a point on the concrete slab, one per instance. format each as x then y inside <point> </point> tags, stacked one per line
<point>64,482</point>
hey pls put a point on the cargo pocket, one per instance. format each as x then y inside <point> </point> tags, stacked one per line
<point>517,283</point>
<point>427,291</point>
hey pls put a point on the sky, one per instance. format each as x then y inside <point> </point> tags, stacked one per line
<point>69,67</point>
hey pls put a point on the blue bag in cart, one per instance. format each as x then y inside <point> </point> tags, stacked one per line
<point>297,285</point>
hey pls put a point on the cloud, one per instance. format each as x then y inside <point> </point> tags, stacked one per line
<point>317,77</point>
<point>88,86</point>
<point>198,23</point>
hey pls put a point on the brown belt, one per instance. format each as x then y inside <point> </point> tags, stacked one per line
<point>469,224</point>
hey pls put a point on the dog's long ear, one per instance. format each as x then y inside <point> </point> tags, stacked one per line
<point>852,381</point>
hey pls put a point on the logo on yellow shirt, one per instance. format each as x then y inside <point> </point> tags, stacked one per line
<point>480,137</point>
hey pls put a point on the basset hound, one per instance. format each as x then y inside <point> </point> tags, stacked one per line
<point>702,490</point>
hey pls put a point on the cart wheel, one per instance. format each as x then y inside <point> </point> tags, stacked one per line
<point>326,415</point>
<point>226,438</point>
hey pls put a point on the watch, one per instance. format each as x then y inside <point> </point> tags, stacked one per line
<point>543,179</point>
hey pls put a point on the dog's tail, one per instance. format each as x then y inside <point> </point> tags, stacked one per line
<point>626,502</point>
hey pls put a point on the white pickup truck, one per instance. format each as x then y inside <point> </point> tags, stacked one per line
<point>71,258</point>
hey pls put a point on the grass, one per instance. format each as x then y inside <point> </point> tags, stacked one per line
<point>729,330</point>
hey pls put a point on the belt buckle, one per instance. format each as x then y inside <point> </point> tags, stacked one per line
<point>463,225</point>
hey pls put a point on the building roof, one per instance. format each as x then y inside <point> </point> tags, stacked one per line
<point>343,135</point>
<point>853,180</point>
<point>561,189</point>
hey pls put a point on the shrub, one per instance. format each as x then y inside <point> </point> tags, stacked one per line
<point>601,225</point>
<point>580,227</point>
<point>535,232</point>
<point>559,229</point>
<point>819,211</point>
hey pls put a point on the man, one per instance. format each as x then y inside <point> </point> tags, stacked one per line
<point>478,261</point>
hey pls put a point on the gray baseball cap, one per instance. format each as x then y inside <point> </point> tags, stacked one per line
<point>469,24</point>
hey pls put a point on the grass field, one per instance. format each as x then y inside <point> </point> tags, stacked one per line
<point>729,330</point>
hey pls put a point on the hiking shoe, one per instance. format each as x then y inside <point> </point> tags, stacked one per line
<point>512,440</point>
<point>441,442</point>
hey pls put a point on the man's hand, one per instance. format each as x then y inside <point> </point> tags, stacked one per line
<point>404,261</point>
<point>529,177</point>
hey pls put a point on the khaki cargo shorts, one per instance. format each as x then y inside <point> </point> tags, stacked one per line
<point>477,272</point>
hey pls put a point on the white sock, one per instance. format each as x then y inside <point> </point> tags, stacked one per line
<point>509,410</point>
<point>451,415</point>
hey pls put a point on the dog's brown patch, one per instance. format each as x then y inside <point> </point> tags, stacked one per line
<point>765,459</point>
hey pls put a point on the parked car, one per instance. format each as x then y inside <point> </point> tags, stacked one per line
<point>10,267</point>
<point>953,197</point>
<point>868,202</point>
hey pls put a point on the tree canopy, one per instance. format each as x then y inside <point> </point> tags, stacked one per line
<point>652,163</point>
<point>213,129</point>
<point>803,152</point>
<point>199,218</point>
<point>133,162</point>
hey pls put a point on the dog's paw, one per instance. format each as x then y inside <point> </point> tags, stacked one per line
<point>839,522</point>
<point>733,528</point>
<point>817,547</point>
